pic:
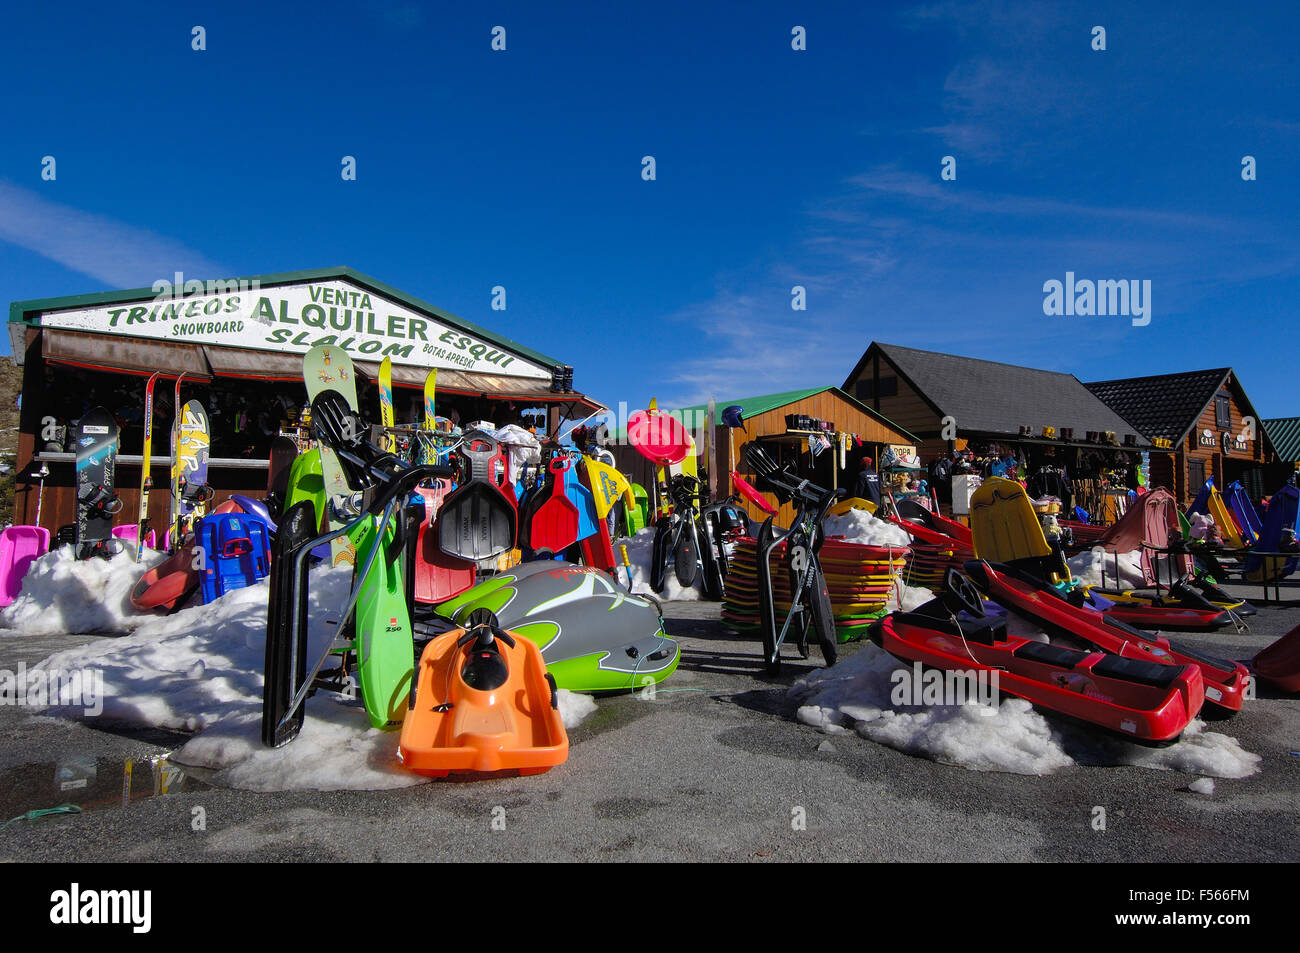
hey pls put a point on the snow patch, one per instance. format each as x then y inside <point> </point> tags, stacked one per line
<point>1096,567</point>
<point>575,707</point>
<point>639,551</point>
<point>336,751</point>
<point>1202,786</point>
<point>855,695</point>
<point>907,598</point>
<point>859,526</point>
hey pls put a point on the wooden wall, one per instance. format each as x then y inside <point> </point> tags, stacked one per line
<point>1223,467</point>
<point>908,409</point>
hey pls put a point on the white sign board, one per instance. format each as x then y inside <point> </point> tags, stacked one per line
<point>295,318</point>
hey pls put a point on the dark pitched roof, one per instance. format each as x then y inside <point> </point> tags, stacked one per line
<point>1163,405</point>
<point>995,398</point>
<point>1284,435</point>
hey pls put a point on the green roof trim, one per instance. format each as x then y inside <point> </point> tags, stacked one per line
<point>19,311</point>
<point>753,406</point>
<point>1284,435</point>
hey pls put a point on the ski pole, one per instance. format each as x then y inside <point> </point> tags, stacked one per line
<point>43,472</point>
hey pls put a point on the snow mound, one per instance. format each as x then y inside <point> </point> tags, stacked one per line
<point>1202,786</point>
<point>856,694</point>
<point>907,598</point>
<point>336,751</point>
<point>575,708</point>
<point>64,594</point>
<point>1209,753</point>
<point>200,670</point>
<point>201,665</point>
<point>859,526</point>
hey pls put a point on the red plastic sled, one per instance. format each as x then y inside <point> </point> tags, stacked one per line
<point>658,437</point>
<point>1224,681</point>
<point>438,576</point>
<point>1280,662</point>
<point>751,495</point>
<point>1141,700</point>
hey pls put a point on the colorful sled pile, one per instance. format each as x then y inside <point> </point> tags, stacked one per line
<point>860,579</point>
<point>928,562</point>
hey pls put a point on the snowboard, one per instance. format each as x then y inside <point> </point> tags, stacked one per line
<point>96,440</point>
<point>190,490</point>
<point>146,473</point>
<point>284,450</point>
<point>330,368</point>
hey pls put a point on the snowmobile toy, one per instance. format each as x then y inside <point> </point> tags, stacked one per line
<point>595,636</point>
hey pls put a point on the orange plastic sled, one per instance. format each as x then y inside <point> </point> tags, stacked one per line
<point>168,584</point>
<point>484,703</point>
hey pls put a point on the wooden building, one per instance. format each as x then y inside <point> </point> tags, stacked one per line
<point>239,343</point>
<point>1203,424</point>
<point>855,431</point>
<point>1058,433</point>
<point>950,401</point>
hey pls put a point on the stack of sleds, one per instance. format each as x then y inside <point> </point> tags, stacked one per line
<point>859,578</point>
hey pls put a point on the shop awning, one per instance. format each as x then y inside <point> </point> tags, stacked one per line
<point>143,356</point>
<point>256,365</point>
<point>131,355</point>
<point>491,386</point>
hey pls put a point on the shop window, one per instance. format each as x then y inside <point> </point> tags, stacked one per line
<point>1195,476</point>
<point>1252,482</point>
<point>1222,412</point>
<point>888,388</point>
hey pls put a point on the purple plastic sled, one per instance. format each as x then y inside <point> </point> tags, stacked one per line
<point>20,546</point>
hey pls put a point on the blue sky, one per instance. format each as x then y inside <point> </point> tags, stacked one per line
<point>775,168</point>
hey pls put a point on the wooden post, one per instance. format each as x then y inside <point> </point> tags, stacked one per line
<point>710,454</point>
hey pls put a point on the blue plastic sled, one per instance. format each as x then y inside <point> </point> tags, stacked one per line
<point>237,552</point>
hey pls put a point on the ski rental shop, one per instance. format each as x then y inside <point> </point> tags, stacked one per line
<point>239,344</point>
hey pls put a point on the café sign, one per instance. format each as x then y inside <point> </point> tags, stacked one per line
<point>1233,443</point>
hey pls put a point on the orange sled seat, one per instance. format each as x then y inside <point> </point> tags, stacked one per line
<point>484,703</point>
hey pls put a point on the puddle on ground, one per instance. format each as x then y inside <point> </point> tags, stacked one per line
<point>92,784</point>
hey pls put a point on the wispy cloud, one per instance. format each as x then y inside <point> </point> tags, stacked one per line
<point>121,256</point>
<point>1014,83</point>
<point>890,181</point>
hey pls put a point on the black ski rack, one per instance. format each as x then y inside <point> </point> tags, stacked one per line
<point>288,683</point>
